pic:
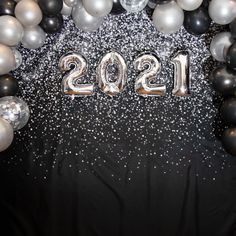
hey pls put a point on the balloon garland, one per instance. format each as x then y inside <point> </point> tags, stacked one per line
<point>28,21</point>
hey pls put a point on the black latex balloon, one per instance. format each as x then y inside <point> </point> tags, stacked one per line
<point>231,56</point>
<point>228,111</point>
<point>117,8</point>
<point>51,7</point>
<point>197,22</point>
<point>229,140</point>
<point>7,7</point>
<point>205,3</point>
<point>8,85</point>
<point>224,81</point>
<point>232,27</point>
<point>52,24</point>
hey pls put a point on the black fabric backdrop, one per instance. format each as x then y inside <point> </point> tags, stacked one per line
<point>127,166</point>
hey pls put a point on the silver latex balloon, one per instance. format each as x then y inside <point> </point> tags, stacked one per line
<point>33,38</point>
<point>220,45</point>
<point>98,8</point>
<point>18,58</point>
<point>66,10</point>
<point>6,135</point>
<point>85,21</point>
<point>11,30</point>
<point>15,111</point>
<point>70,3</point>
<point>168,17</point>
<point>70,83</point>
<point>181,74</point>
<point>134,5</point>
<point>143,84</point>
<point>7,59</point>
<point>28,13</point>
<point>189,5</point>
<point>112,88</point>
<point>222,11</point>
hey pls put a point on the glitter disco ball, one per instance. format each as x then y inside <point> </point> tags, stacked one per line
<point>15,111</point>
<point>133,5</point>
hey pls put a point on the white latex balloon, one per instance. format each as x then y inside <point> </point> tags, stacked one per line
<point>85,21</point>
<point>134,5</point>
<point>222,11</point>
<point>28,13</point>
<point>7,59</point>
<point>98,8</point>
<point>34,37</point>
<point>220,45</point>
<point>11,30</point>
<point>6,135</point>
<point>189,5</point>
<point>168,18</point>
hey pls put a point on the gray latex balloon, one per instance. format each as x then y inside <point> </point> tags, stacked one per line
<point>6,135</point>
<point>222,11</point>
<point>168,17</point>
<point>7,59</point>
<point>85,21</point>
<point>70,3</point>
<point>189,5</point>
<point>34,37</point>
<point>98,8</point>
<point>28,13</point>
<point>220,45</point>
<point>11,30</point>
<point>66,10</point>
<point>18,58</point>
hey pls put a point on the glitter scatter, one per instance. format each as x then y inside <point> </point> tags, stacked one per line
<point>126,132</point>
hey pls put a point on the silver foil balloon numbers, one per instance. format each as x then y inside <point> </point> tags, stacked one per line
<point>181,74</point>
<point>112,75</point>
<point>76,65</point>
<point>112,88</point>
<point>150,67</point>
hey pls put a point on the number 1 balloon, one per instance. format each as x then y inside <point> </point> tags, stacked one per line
<point>181,75</point>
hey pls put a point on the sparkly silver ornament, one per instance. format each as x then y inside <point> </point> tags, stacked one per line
<point>6,135</point>
<point>168,17</point>
<point>220,45</point>
<point>15,111</point>
<point>222,11</point>
<point>143,84</point>
<point>28,13</point>
<point>33,38</point>
<point>112,88</point>
<point>83,20</point>
<point>7,59</point>
<point>181,74</point>
<point>11,30</point>
<point>70,85</point>
<point>133,5</point>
